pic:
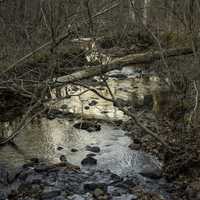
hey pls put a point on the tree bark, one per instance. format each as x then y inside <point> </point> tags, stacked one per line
<point>118,63</point>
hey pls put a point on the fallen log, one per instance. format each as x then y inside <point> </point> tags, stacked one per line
<point>118,63</point>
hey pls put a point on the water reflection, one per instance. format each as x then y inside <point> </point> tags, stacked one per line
<point>42,138</point>
<point>127,89</point>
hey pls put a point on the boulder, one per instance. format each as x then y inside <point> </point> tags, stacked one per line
<point>93,149</point>
<point>50,194</point>
<point>88,126</point>
<point>93,103</point>
<point>150,171</point>
<point>74,150</point>
<point>91,186</point>
<point>89,161</point>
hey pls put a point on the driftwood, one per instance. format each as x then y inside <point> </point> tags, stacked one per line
<point>118,63</point>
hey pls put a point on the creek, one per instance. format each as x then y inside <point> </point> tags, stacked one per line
<point>49,139</point>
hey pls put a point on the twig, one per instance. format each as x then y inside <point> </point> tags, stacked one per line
<point>135,119</point>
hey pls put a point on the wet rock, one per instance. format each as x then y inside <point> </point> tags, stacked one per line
<point>90,186</point>
<point>50,194</point>
<point>115,177</point>
<point>91,155</point>
<point>88,126</point>
<point>76,197</point>
<point>151,172</point>
<point>59,148</point>
<point>89,161</point>
<point>74,150</point>
<point>134,146</point>
<point>60,198</point>
<point>193,190</point>
<point>104,112</point>
<point>34,179</point>
<point>64,106</point>
<point>53,113</point>
<point>63,158</point>
<point>93,103</point>
<point>50,116</point>
<point>94,149</point>
<point>87,107</point>
<point>126,197</point>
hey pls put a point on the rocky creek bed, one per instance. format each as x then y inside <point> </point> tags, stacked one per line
<point>86,159</point>
<point>38,180</point>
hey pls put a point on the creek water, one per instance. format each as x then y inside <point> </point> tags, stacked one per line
<point>42,138</point>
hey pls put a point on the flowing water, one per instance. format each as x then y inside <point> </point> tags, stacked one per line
<point>42,138</point>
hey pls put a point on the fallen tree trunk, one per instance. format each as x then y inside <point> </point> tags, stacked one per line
<point>118,63</point>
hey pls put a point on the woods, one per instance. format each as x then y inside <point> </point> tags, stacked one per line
<point>127,66</point>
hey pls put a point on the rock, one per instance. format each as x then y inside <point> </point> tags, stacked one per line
<point>193,190</point>
<point>94,149</point>
<point>115,177</point>
<point>90,186</point>
<point>52,114</point>
<point>64,106</point>
<point>89,161</point>
<point>93,103</point>
<point>136,141</point>
<point>74,150</point>
<point>151,172</point>
<point>50,194</point>
<point>88,126</point>
<point>60,198</point>
<point>104,112</point>
<point>126,197</point>
<point>134,146</point>
<point>59,148</point>
<point>76,197</point>
<point>34,179</point>
<point>87,107</point>
<point>98,192</point>
<point>91,155</point>
<point>63,158</point>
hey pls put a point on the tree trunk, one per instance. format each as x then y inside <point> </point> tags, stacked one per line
<point>118,63</point>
